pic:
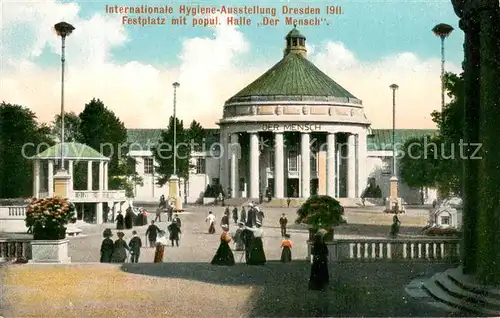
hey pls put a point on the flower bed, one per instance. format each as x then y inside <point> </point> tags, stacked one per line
<point>437,231</point>
<point>46,219</point>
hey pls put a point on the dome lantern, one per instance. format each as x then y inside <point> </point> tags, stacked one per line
<point>295,42</point>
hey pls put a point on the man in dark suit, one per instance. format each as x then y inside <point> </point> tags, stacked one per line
<point>135,245</point>
<point>247,238</point>
<point>251,216</point>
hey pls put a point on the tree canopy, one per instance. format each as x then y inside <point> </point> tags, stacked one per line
<point>20,136</point>
<point>441,167</point>
<point>187,140</point>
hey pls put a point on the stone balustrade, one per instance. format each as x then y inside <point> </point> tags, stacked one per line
<point>414,249</point>
<point>12,218</point>
<point>12,249</point>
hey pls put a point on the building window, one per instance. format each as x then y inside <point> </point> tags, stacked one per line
<point>314,161</point>
<point>292,161</point>
<point>200,165</point>
<point>148,165</point>
<point>445,220</point>
<point>386,166</point>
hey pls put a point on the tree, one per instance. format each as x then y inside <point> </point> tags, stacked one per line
<point>20,136</point>
<point>442,169</point>
<point>195,135</point>
<point>164,152</point>
<point>102,130</point>
<point>71,127</point>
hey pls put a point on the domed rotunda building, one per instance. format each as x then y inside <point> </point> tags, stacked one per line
<point>294,132</point>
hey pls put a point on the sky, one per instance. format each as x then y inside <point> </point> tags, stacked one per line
<point>131,68</point>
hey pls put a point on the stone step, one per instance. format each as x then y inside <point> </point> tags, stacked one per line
<point>452,288</point>
<point>466,283</point>
<point>437,290</point>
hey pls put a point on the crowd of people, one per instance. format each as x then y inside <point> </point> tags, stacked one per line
<point>247,240</point>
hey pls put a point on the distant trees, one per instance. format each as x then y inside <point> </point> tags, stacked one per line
<point>20,134</point>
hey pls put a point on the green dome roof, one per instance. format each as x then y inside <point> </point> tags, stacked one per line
<point>294,78</point>
<point>294,33</point>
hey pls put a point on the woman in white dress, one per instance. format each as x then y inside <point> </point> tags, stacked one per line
<point>161,242</point>
<point>256,254</point>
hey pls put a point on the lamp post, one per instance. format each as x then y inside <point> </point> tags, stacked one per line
<point>394,200</point>
<point>174,182</point>
<point>442,30</point>
<point>175,85</point>
<point>63,29</point>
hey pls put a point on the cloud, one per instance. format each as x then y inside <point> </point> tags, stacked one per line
<point>210,70</point>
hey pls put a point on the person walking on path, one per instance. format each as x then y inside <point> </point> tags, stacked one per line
<point>235,215</point>
<point>152,233</point>
<point>135,245</point>
<point>120,249</point>
<point>211,220</point>
<point>158,215</point>
<point>224,221</point>
<point>286,249</point>
<point>174,231</point>
<point>161,242</point>
<point>120,221</point>
<point>243,215</point>
<point>107,247</point>
<point>283,223</point>
<point>256,254</point>
<point>319,278</point>
<point>224,255</point>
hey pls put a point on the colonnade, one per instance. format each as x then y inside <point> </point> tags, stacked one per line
<point>356,164</point>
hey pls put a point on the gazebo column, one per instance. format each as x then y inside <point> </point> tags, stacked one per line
<point>254,166</point>
<point>279,169</point>
<point>330,165</point>
<point>99,210</point>
<point>305,152</point>
<point>50,178</point>
<point>89,175</point>
<point>106,165</point>
<point>362,159</point>
<point>351,166</point>
<point>36,178</point>
<point>71,180</point>
<point>101,175</point>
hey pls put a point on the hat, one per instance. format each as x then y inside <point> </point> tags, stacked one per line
<point>258,222</point>
<point>107,233</point>
<point>225,226</point>
<point>250,204</point>
<point>241,223</point>
<point>287,236</point>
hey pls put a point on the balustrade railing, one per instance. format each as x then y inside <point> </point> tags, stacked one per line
<point>96,195</point>
<point>13,249</point>
<point>435,249</point>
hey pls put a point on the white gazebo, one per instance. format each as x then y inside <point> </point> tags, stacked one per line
<point>76,154</point>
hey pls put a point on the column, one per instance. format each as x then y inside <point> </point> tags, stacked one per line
<point>279,169</point>
<point>50,177</point>
<point>330,165</point>
<point>254,166</point>
<point>362,160</point>
<point>351,166</point>
<point>305,157</point>
<point>98,213</point>
<point>235,157</point>
<point>224,162</point>
<point>71,174</point>
<point>101,175</point>
<point>106,165</point>
<point>36,178</point>
<point>89,175</point>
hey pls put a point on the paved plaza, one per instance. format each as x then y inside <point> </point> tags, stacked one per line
<point>186,285</point>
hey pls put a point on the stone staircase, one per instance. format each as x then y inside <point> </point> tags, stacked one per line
<point>460,291</point>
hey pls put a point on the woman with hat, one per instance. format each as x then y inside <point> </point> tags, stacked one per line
<point>286,252</point>
<point>161,241</point>
<point>224,255</point>
<point>256,255</point>
<point>120,249</point>
<point>107,247</point>
<point>320,277</point>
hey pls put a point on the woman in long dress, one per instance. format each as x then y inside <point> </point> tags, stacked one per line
<point>161,241</point>
<point>224,255</point>
<point>107,247</point>
<point>286,249</point>
<point>120,249</point>
<point>320,277</point>
<point>120,222</point>
<point>211,219</point>
<point>256,254</point>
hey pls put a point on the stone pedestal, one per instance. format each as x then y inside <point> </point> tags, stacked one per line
<point>62,184</point>
<point>50,251</point>
<point>174,193</point>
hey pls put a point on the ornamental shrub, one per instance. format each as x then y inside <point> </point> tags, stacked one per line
<point>320,211</point>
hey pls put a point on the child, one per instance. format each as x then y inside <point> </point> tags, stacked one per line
<point>286,253</point>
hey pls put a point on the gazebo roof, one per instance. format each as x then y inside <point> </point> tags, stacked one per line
<point>71,150</point>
